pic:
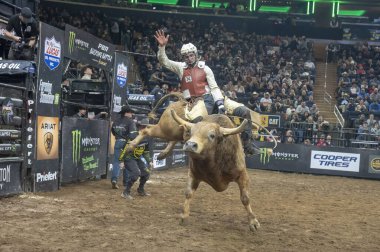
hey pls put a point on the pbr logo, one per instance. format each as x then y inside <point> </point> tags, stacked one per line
<point>121,74</point>
<point>48,142</point>
<point>52,53</point>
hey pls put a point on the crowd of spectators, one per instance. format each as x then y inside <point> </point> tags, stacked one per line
<point>358,88</point>
<point>269,74</point>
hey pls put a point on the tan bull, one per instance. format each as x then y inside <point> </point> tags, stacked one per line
<point>217,158</point>
<point>168,129</point>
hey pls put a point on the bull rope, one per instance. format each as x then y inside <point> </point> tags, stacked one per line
<point>179,95</point>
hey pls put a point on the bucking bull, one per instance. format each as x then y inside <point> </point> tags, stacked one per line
<point>215,151</point>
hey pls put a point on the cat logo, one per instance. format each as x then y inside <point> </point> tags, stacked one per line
<point>48,142</point>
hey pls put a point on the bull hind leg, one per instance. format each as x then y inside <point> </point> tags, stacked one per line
<point>243,186</point>
<point>169,148</point>
<point>192,185</point>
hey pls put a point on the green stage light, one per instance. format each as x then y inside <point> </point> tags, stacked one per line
<point>281,9</point>
<point>204,4</point>
<point>355,13</point>
<point>168,2</point>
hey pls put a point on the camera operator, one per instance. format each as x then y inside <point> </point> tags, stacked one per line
<point>24,35</point>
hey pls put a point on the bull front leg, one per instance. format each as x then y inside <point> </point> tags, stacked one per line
<point>169,148</point>
<point>149,131</point>
<point>192,185</point>
<point>243,186</point>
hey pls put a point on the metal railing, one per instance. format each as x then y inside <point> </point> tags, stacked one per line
<point>339,116</point>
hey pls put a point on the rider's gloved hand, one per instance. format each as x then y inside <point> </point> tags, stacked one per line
<point>221,108</point>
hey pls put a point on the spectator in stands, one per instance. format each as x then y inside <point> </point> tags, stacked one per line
<point>375,95</point>
<point>302,108</point>
<point>87,73</point>
<point>24,37</point>
<point>197,79</point>
<point>375,129</point>
<point>329,140</point>
<point>82,112</point>
<point>321,141</point>
<point>361,107</point>
<point>307,142</point>
<point>310,101</point>
<point>265,102</point>
<point>363,131</point>
<point>374,107</point>
<point>359,121</point>
<point>371,120</point>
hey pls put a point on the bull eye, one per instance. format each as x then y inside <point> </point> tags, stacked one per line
<point>211,136</point>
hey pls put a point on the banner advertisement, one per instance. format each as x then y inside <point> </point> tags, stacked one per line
<point>84,148</point>
<point>271,121</point>
<point>374,164</point>
<point>10,178</point>
<point>50,70</point>
<point>47,100</point>
<point>120,79</point>
<point>47,137</point>
<point>336,161</point>
<point>294,157</point>
<point>85,47</point>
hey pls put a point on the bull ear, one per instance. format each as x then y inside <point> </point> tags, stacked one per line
<point>180,121</point>
<point>232,131</point>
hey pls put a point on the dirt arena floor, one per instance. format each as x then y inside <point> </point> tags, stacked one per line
<point>297,213</point>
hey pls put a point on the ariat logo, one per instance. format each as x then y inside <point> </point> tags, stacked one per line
<point>48,142</point>
<point>77,137</point>
<point>188,79</point>
<point>264,155</point>
<point>375,164</point>
<point>72,36</point>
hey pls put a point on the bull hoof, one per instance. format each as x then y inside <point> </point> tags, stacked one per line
<point>254,226</point>
<point>162,155</point>
<point>183,221</point>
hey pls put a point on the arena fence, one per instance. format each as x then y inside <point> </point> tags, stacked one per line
<point>350,162</point>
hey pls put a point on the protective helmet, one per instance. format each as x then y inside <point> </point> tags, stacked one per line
<point>188,48</point>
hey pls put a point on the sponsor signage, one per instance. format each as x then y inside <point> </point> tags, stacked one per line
<point>10,178</point>
<point>265,156</point>
<point>47,137</point>
<point>374,164</point>
<point>87,48</point>
<point>84,148</point>
<point>270,121</point>
<point>45,177</point>
<point>336,161</point>
<point>158,163</point>
<point>120,83</point>
<point>50,70</point>
<point>52,53</point>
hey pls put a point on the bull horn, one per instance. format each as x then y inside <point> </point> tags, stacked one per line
<point>180,121</point>
<point>232,131</point>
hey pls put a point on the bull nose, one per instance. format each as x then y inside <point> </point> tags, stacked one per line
<point>190,146</point>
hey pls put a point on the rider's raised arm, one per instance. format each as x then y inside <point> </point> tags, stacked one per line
<point>174,66</point>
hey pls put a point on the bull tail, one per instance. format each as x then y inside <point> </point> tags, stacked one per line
<point>177,95</point>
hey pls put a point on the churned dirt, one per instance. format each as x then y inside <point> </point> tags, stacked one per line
<point>297,213</point>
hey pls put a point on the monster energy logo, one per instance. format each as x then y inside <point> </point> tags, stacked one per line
<point>71,41</point>
<point>77,136</point>
<point>264,155</point>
